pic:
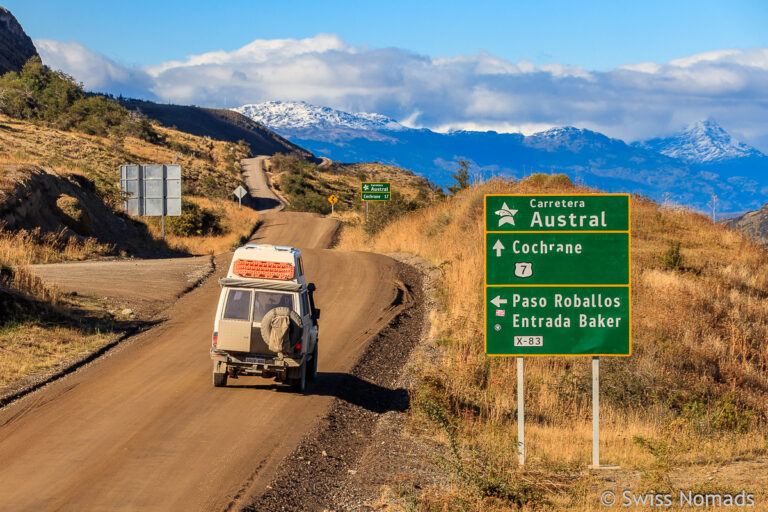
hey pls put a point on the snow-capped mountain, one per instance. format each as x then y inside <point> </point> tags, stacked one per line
<point>702,141</point>
<point>570,139</point>
<point>687,168</point>
<point>298,115</point>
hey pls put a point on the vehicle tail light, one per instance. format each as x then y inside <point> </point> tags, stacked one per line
<point>215,339</point>
<point>297,348</point>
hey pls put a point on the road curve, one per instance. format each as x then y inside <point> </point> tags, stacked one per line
<point>260,196</point>
<point>143,428</point>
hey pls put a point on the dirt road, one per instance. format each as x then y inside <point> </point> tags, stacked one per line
<point>150,285</point>
<point>260,196</point>
<point>143,428</point>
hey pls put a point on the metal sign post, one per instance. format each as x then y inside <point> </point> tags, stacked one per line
<point>240,193</point>
<point>520,413</point>
<point>557,282</point>
<point>596,412</point>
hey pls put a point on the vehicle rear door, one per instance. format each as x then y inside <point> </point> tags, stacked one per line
<point>235,321</point>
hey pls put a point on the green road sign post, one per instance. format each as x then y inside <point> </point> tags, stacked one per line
<point>557,282</point>
<point>374,191</point>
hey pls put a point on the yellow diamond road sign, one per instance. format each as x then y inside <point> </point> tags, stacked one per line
<point>333,199</point>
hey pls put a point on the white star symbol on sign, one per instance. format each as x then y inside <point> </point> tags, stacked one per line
<point>507,216</point>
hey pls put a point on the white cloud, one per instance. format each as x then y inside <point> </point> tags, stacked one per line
<point>97,72</point>
<point>501,127</point>
<point>482,91</point>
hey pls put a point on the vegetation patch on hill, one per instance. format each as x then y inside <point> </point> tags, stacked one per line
<point>48,121</point>
<point>693,394</point>
<point>307,186</point>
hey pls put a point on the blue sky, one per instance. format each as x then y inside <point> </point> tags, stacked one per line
<point>597,35</point>
<point>631,70</point>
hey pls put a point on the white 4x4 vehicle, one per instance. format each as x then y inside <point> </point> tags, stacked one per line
<point>266,322</point>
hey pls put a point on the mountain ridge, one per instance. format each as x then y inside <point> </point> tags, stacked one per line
<point>741,182</point>
<point>219,124</point>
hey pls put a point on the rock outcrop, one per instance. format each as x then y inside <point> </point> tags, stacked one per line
<point>16,47</point>
<point>753,224</point>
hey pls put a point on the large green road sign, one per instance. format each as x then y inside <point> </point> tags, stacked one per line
<point>557,275</point>
<point>375,191</point>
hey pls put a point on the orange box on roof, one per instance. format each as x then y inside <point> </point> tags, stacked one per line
<point>263,269</point>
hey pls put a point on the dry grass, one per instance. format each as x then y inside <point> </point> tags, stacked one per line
<point>695,390</point>
<point>32,346</point>
<point>209,167</point>
<point>238,224</point>
<point>21,248</point>
<point>37,331</point>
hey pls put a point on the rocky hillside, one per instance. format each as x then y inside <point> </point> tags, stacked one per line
<point>754,224</point>
<point>16,47</point>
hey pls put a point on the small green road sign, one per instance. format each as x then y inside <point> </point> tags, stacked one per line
<point>557,275</point>
<point>375,191</point>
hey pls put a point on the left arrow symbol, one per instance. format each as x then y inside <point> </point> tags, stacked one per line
<point>498,247</point>
<point>498,301</point>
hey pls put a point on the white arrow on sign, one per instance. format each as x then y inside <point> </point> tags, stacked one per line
<point>498,247</point>
<point>498,301</point>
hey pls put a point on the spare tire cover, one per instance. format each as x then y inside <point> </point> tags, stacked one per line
<point>295,328</point>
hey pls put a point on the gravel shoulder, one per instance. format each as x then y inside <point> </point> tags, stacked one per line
<point>362,448</point>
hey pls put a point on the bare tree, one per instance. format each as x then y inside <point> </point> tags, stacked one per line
<point>713,204</point>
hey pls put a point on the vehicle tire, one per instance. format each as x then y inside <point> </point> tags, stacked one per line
<point>219,379</point>
<point>312,372</point>
<point>296,324</point>
<point>299,384</point>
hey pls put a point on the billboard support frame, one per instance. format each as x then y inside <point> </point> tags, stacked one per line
<point>151,190</point>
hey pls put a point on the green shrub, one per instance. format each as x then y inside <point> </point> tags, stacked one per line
<point>37,93</point>
<point>672,259</point>
<point>311,202</point>
<point>194,221</point>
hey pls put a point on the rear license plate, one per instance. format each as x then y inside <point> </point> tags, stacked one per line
<point>257,360</point>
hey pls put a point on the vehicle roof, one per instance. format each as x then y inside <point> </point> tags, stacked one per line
<point>267,252</point>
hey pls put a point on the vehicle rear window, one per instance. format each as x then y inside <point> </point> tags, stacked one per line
<point>238,304</point>
<point>264,301</point>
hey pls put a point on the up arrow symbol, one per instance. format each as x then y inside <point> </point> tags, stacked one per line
<point>498,247</point>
